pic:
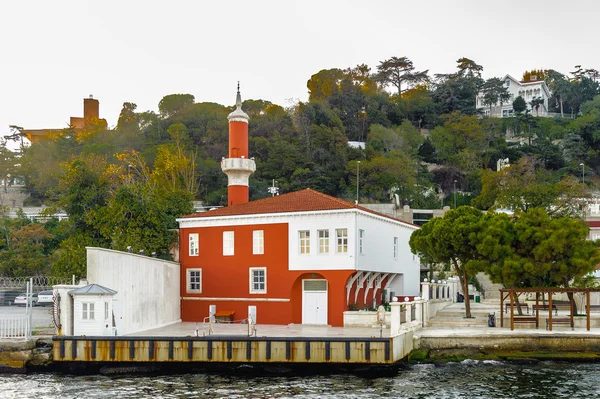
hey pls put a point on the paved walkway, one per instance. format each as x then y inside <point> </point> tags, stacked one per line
<point>264,330</point>
<point>455,310</point>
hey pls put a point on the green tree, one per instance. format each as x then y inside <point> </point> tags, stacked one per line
<point>173,103</point>
<point>524,186</point>
<point>534,249</point>
<point>519,105</point>
<point>452,239</point>
<point>400,72</point>
<point>494,92</point>
<point>25,255</point>
<point>458,91</point>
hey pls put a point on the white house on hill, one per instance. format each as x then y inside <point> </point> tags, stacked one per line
<point>527,90</point>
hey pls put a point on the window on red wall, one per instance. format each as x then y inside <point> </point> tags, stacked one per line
<point>194,281</point>
<point>258,280</point>
<point>258,242</point>
<point>228,243</point>
<point>193,240</point>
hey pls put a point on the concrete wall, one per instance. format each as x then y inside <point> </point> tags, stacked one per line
<point>65,307</point>
<point>147,288</point>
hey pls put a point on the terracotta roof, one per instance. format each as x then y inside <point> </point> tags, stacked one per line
<point>306,200</point>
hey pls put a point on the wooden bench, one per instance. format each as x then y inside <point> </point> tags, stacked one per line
<point>522,305</point>
<point>526,319</point>
<point>561,320</point>
<point>546,307</point>
<point>224,316</point>
<point>592,307</point>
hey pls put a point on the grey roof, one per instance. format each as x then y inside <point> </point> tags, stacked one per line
<point>92,289</point>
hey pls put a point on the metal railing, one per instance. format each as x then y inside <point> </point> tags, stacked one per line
<point>14,326</point>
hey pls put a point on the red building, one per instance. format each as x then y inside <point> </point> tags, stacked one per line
<point>301,257</point>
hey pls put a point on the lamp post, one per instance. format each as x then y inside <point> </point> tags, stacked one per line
<point>582,172</point>
<point>274,190</point>
<point>357,179</point>
<point>454,194</point>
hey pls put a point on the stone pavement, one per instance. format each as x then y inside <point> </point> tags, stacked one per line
<point>454,325</point>
<point>266,330</point>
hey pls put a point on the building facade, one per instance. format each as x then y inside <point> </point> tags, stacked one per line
<point>301,257</point>
<point>528,90</point>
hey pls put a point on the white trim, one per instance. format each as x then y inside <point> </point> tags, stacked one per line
<point>188,298</point>
<point>190,222</point>
<point>251,273</point>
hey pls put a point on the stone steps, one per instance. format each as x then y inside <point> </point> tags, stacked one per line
<point>477,321</point>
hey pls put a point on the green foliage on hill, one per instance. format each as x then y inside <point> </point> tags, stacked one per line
<point>423,137</point>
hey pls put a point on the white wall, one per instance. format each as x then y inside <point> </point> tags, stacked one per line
<point>97,326</point>
<point>378,251</point>
<point>66,307</point>
<point>147,288</point>
<point>323,221</point>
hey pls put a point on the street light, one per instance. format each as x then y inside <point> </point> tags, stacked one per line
<point>274,190</point>
<point>582,172</point>
<point>454,194</point>
<point>357,178</point>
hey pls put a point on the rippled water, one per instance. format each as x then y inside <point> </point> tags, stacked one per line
<point>469,379</point>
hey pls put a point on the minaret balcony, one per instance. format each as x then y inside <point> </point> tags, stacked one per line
<point>238,166</point>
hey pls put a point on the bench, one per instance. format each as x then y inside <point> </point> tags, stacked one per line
<point>561,320</point>
<point>522,305</point>
<point>546,307</point>
<point>526,319</point>
<point>224,316</point>
<point>592,307</point>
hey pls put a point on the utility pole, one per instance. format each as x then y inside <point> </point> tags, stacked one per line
<point>454,194</point>
<point>357,179</point>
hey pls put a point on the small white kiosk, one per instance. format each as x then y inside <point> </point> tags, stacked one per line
<point>92,310</point>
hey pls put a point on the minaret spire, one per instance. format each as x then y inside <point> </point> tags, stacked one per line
<point>238,98</point>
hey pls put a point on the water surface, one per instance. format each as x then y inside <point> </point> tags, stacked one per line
<point>466,380</point>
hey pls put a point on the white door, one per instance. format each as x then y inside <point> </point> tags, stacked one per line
<point>314,302</point>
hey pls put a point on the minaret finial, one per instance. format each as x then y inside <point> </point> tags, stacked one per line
<point>238,99</point>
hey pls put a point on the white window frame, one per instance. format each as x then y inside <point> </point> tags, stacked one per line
<point>228,243</point>
<point>105,310</point>
<point>304,242</point>
<point>341,236</point>
<point>361,238</point>
<point>395,247</point>
<point>323,241</point>
<point>254,290</point>
<point>193,247</point>
<point>193,279</point>
<point>87,311</point>
<point>258,242</point>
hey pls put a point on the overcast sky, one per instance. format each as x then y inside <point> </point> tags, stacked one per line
<point>55,53</point>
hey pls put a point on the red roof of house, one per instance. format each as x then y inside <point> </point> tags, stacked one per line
<point>306,200</point>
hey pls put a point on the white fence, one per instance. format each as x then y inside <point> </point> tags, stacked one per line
<point>14,326</point>
<point>19,325</point>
